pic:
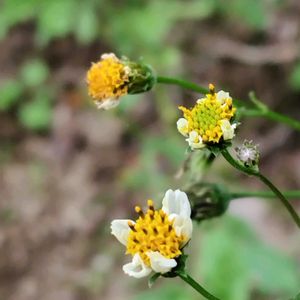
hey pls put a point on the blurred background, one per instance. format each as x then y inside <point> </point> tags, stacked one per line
<point>67,169</point>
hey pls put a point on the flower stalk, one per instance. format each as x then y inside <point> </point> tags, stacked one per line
<point>265,194</point>
<point>265,180</point>
<point>244,110</point>
<point>195,285</point>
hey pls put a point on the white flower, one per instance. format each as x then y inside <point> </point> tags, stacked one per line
<point>176,204</point>
<point>182,126</point>
<point>137,268</point>
<point>157,237</point>
<point>109,55</point>
<point>227,129</point>
<point>222,96</point>
<point>107,103</point>
<point>195,140</point>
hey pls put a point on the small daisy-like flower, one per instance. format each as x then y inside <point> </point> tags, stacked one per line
<point>248,153</point>
<point>209,121</point>
<point>157,237</point>
<point>111,78</point>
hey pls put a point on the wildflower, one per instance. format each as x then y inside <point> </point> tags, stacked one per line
<point>156,239</point>
<point>210,121</point>
<point>111,78</point>
<point>248,153</point>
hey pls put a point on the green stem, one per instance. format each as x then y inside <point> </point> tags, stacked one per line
<point>183,83</point>
<point>265,180</point>
<point>245,111</point>
<point>265,194</point>
<point>194,284</point>
<point>272,115</point>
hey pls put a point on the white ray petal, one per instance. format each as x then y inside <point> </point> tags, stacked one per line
<point>176,202</point>
<point>159,263</point>
<point>120,229</point>
<point>136,268</point>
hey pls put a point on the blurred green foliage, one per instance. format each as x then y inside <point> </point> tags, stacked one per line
<point>29,95</point>
<point>10,94</point>
<point>231,250</point>
<point>149,174</point>
<point>167,291</point>
<point>234,264</point>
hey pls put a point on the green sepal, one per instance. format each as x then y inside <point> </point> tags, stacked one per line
<point>217,148</point>
<point>152,279</point>
<point>179,269</point>
<point>142,77</point>
<point>208,200</point>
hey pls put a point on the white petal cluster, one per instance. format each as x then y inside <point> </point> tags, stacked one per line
<point>227,129</point>
<point>177,206</point>
<point>222,96</point>
<point>195,140</point>
<point>108,103</point>
<point>182,126</point>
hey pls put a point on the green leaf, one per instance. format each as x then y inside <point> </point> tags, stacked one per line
<point>87,25</point>
<point>34,73</point>
<point>37,114</point>
<point>56,19</point>
<point>10,93</point>
<point>220,260</point>
<point>232,251</point>
<point>152,279</point>
<point>250,12</point>
<point>13,12</point>
<point>296,298</point>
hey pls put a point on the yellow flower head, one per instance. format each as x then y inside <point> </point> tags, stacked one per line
<point>157,237</point>
<point>107,81</point>
<point>111,78</point>
<point>209,121</point>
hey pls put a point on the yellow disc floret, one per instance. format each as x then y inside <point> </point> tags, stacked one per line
<point>153,231</point>
<point>108,78</point>
<point>208,115</point>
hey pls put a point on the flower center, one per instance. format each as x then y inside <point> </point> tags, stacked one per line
<point>153,232</point>
<point>207,115</point>
<point>107,79</point>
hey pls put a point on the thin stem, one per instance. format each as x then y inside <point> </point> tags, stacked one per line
<point>183,83</point>
<point>246,111</point>
<point>265,180</point>
<point>194,284</point>
<point>272,115</point>
<point>265,194</point>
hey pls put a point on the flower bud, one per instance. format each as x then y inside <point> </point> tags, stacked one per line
<point>111,78</point>
<point>207,200</point>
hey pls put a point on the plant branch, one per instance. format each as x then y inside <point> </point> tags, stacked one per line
<point>194,284</point>
<point>265,194</point>
<point>265,180</point>
<point>244,107</point>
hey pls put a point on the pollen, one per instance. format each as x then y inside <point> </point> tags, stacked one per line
<point>107,78</point>
<point>207,115</point>
<point>153,231</point>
